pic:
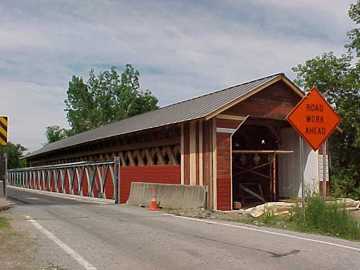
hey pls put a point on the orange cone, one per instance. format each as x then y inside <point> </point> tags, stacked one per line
<point>153,205</point>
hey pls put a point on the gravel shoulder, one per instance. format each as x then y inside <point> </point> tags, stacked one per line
<point>4,204</point>
<point>16,248</point>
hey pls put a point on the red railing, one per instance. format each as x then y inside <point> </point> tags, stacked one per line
<point>88,179</point>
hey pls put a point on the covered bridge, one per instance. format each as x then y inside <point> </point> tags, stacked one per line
<point>235,141</point>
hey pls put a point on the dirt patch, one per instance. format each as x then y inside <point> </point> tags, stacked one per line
<point>4,204</point>
<point>208,214</point>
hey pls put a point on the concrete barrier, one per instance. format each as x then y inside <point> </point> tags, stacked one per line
<point>168,195</point>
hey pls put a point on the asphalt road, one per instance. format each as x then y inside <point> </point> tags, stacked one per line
<point>78,235</point>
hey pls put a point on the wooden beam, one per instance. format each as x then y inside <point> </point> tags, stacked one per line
<point>262,151</point>
<point>105,150</point>
<point>231,117</point>
<point>274,178</point>
<point>249,191</point>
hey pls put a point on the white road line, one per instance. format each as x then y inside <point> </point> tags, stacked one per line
<point>64,195</point>
<point>267,232</point>
<point>66,248</point>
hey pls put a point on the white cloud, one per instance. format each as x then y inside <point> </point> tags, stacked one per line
<point>182,48</point>
<point>30,108</point>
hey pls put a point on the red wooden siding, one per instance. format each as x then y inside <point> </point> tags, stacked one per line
<point>226,123</point>
<point>149,174</point>
<point>223,171</point>
<point>186,154</point>
<point>274,102</point>
<point>223,163</point>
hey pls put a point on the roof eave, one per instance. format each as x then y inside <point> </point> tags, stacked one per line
<point>280,77</point>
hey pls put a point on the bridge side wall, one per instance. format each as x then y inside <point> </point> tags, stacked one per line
<point>149,174</point>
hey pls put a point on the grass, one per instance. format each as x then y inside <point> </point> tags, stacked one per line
<point>325,218</point>
<point>4,223</point>
<point>320,217</point>
<point>52,267</point>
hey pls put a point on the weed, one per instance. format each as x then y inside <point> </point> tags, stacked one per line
<point>4,223</point>
<point>325,218</point>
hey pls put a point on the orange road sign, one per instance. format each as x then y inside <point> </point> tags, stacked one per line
<point>314,119</point>
<point>3,130</point>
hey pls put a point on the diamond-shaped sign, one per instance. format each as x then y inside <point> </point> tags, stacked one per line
<point>314,118</point>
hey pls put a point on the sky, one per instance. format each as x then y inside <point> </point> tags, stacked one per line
<point>181,48</point>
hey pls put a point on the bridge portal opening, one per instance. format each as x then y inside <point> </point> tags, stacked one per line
<point>256,146</point>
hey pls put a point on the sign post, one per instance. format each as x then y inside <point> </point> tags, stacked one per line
<point>3,157</point>
<point>301,170</point>
<point>3,174</point>
<point>324,173</point>
<point>315,120</point>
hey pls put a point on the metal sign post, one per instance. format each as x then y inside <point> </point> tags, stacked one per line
<point>301,165</point>
<point>324,173</point>
<point>5,174</point>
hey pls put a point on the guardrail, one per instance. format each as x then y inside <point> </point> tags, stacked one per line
<point>88,179</point>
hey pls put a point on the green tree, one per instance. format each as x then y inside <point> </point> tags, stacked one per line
<point>55,133</point>
<point>14,153</point>
<point>105,98</point>
<point>339,79</point>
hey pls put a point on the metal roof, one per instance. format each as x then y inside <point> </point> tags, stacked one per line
<point>191,109</point>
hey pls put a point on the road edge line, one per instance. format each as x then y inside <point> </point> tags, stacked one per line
<point>266,232</point>
<point>64,195</point>
<point>76,256</point>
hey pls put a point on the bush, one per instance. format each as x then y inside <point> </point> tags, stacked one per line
<point>345,183</point>
<point>328,218</point>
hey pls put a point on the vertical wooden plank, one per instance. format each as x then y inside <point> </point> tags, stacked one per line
<point>214,164</point>
<point>182,150</point>
<point>231,173</point>
<point>201,168</point>
<point>186,154</point>
<point>193,153</point>
<point>274,178</point>
<point>207,163</point>
<point>197,167</point>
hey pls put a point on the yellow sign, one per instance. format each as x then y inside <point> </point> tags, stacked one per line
<point>3,130</point>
